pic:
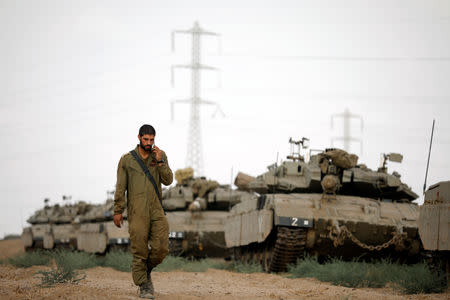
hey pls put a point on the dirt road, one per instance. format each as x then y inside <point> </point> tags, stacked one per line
<point>106,283</point>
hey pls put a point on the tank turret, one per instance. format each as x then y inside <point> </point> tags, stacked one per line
<point>333,171</point>
<point>196,194</point>
<point>196,208</point>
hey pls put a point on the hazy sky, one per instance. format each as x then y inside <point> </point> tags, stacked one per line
<point>78,78</point>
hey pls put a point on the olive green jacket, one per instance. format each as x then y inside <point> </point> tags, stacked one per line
<point>132,180</point>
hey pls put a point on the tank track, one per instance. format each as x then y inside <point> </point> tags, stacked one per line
<point>288,247</point>
<point>277,252</point>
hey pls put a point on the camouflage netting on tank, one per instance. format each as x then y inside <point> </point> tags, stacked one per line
<point>202,186</point>
<point>342,158</point>
<point>59,214</point>
<point>98,212</point>
<point>184,174</point>
<point>242,180</point>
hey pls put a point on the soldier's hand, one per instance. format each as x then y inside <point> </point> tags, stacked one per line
<point>118,220</point>
<point>158,153</point>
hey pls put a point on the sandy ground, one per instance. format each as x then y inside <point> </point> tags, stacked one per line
<point>106,283</point>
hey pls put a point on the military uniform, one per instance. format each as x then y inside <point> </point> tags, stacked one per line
<point>148,226</point>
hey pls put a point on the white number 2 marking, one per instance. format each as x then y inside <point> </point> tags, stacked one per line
<point>294,222</point>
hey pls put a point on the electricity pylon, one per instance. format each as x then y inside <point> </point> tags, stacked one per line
<point>194,157</point>
<point>346,137</point>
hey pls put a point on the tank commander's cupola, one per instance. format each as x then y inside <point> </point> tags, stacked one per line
<point>394,157</point>
<point>296,149</point>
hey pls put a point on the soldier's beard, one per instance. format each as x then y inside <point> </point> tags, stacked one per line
<point>147,148</point>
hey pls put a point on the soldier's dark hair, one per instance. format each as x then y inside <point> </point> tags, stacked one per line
<point>146,129</point>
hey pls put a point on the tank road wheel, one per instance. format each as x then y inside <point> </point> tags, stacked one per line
<point>175,247</point>
<point>38,244</point>
<point>244,254</point>
<point>267,255</point>
<point>259,256</point>
<point>247,255</point>
<point>289,246</point>
<point>253,253</point>
<point>237,253</point>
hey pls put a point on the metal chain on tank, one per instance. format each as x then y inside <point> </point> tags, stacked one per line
<point>343,232</point>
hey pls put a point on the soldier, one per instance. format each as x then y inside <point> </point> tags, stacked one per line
<point>140,174</point>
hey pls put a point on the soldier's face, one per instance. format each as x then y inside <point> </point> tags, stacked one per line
<point>146,141</point>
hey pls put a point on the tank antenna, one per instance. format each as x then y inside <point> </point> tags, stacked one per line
<point>275,174</point>
<point>428,162</point>
<point>276,161</point>
<point>231,187</point>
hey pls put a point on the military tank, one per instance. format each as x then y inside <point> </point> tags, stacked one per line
<point>434,226</point>
<point>54,226</point>
<point>96,230</point>
<point>79,226</point>
<point>196,209</point>
<point>327,206</point>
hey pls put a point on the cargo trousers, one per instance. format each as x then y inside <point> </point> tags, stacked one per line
<point>149,237</point>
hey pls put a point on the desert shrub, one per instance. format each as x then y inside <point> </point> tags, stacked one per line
<point>309,267</point>
<point>172,263</point>
<point>59,274</point>
<point>416,279</point>
<point>74,260</point>
<point>29,259</point>
<point>67,265</point>
<point>198,265</point>
<point>190,265</point>
<point>119,260</point>
<point>239,267</point>
<point>345,273</point>
<point>409,279</point>
<point>352,274</point>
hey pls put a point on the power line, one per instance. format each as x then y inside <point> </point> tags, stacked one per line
<point>342,58</point>
<point>194,157</point>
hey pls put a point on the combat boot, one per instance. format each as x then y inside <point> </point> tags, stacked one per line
<point>145,291</point>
